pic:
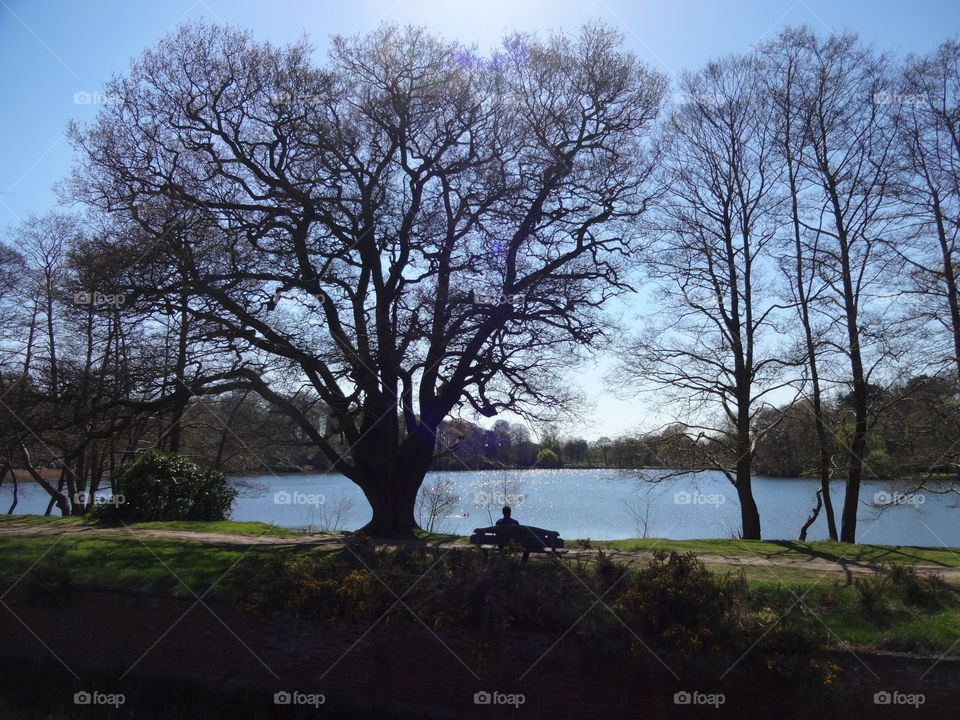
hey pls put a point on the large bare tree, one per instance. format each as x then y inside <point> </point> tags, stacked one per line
<point>409,229</point>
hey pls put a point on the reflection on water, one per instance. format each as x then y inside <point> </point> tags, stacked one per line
<point>596,504</point>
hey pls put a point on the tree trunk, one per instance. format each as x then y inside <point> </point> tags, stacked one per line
<point>813,515</point>
<point>391,486</point>
<point>851,500</point>
<point>393,502</point>
<point>749,514</point>
<point>823,438</point>
<point>180,392</point>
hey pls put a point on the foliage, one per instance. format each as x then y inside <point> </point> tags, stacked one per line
<point>167,486</point>
<point>898,586</point>
<point>675,598</point>
<point>673,603</point>
<point>548,459</point>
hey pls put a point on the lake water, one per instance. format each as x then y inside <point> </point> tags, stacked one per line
<point>596,504</point>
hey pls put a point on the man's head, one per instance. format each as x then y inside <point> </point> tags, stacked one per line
<point>506,511</point>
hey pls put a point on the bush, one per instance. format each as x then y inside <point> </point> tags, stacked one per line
<point>167,486</point>
<point>900,585</point>
<point>548,459</point>
<point>676,600</point>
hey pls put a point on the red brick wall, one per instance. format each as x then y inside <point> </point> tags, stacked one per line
<point>408,670</point>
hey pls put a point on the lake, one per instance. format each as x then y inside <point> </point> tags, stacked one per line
<point>597,504</point>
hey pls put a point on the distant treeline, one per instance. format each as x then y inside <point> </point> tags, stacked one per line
<point>911,424</point>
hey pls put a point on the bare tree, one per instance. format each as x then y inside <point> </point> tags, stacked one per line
<point>435,503</point>
<point>849,168</point>
<point>784,81</point>
<point>711,346</point>
<point>346,219</point>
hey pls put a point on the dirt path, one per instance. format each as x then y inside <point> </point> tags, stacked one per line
<point>844,569</point>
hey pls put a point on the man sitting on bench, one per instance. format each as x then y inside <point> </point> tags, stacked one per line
<point>508,533</point>
<point>506,519</point>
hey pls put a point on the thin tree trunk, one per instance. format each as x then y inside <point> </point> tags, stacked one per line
<point>823,438</point>
<point>180,392</point>
<point>813,515</point>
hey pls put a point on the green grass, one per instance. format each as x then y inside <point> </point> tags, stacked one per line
<point>839,553</point>
<point>794,550</point>
<point>432,538</point>
<point>224,527</point>
<point>834,612</point>
<point>128,564</point>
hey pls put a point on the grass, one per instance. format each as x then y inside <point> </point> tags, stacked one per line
<point>224,527</point>
<point>839,553</point>
<point>795,550</point>
<point>836,613</point>
<point>127,564</point>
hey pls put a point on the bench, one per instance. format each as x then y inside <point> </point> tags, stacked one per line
<point>531,539</point>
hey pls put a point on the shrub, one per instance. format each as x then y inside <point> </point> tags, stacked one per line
<point>677,601</point>
<point>880,593</point>
<point>167,486</point>
<point>926,591</point>
<point>547,458</point>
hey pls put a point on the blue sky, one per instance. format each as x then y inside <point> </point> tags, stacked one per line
<point>53,54</point>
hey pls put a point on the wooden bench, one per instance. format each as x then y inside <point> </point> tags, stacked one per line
<point>531,539</point>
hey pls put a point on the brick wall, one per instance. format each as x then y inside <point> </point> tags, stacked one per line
<point>408,670</point>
